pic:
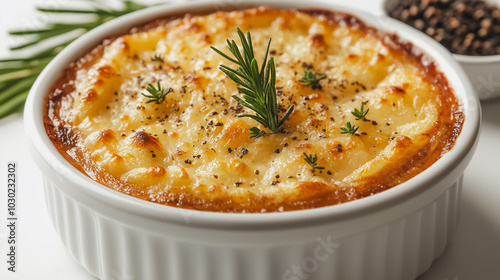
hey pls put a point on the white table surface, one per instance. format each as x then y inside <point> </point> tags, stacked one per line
<point>474,251</point>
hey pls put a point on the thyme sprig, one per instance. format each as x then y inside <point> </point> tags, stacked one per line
<point>311,78</point>
<point>156,94</point>
<point>157,57</point>
<point>349,129</point>
<point>361,113</point>
<point>312,161</point>
<point>258,87</point>
<point>18,74</point>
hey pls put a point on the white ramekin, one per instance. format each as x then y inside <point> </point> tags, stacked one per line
<point>483,71</point>
<point>395,234</point>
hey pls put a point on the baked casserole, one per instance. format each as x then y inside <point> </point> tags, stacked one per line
<point>191,150</point>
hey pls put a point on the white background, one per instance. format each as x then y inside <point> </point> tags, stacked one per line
<point>474,252</point>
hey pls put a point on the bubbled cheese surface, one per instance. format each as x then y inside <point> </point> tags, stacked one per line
<point>192,150</point>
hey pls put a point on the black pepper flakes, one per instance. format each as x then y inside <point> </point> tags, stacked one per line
<point>229,150</point>
<point>307,65</point>
<point>188,161</point>
<point>277,151</point>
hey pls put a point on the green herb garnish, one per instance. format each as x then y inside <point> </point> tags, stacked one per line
<point>156,94</point>
<point>359,114</point>
<point>157,57</point>
<point>311,78</point>
<point>349,129</point>
<point>255,132</point>
<point>312,160</point>
<point>18,74</point>
<point>258,88</point>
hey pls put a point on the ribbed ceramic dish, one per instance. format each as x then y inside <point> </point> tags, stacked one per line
<point>395,234</point>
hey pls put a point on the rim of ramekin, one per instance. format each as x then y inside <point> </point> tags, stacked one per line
<point>478,59</point>
<point>33,120</point>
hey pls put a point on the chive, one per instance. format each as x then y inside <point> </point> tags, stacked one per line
<point>21,85</point>
<point>17,74</point>
<point>14,104</point>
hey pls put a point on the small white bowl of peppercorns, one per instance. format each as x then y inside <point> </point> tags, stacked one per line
<point>470,29</point>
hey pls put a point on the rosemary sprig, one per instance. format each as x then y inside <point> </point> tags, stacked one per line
<point>361,113</point>
<point>258,88</point>
<point>311,78</point>
<point>18,74</point>
<point>156,94</point>
<point>349,129</point>
<point>312,161</point>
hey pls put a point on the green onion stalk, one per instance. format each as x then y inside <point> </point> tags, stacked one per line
<point>18,74</point>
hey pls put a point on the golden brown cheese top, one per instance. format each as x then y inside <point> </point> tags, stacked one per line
<point>193,151</point>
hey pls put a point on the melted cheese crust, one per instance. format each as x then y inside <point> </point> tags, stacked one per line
<point>193,151</point>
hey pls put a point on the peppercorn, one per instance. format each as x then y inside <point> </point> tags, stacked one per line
<point>468,27</point>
